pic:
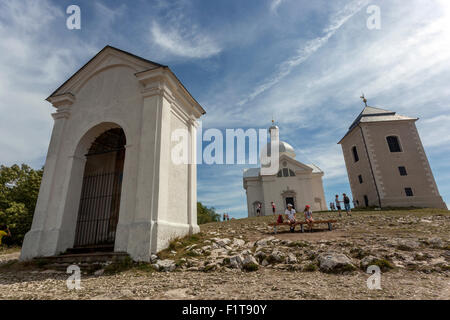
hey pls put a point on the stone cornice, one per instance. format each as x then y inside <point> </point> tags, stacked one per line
<point>62,100</point>
<point>167,83</point>
<point>63,112</point>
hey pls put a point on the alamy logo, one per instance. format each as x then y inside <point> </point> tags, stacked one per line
<point>74,281</point>
<point>74,20</point>
<point>374,20</point>
<point>228,150</point>
<point>374,281</point>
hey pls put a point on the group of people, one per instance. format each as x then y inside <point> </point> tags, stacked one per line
<point>337,204</point>
<point>226,217</point>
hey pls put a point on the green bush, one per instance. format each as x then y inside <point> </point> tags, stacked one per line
<point>205,214</point>
<point>19,189</point>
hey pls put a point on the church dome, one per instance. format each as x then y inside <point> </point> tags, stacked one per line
<point>284,148</point>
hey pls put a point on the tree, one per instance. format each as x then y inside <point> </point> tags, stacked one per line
<point>205,214</point>
<point>19,189</point>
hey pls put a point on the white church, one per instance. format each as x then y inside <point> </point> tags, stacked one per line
<point>296,183</point>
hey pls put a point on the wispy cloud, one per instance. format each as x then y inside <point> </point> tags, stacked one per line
<point>188,43</point>
<point>274,4</point>
<point>305,51</point>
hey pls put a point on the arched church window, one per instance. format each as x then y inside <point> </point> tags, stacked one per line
<point>394,144</point>
<point>355,154</point>
<point>291,173</point>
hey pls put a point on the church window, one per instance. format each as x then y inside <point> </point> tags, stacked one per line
<point>285,172</point>
<point>355,154</point>
<point>360,179</point>
<point>409,192</point>
<point>394,144</point>
<point>402,171</point>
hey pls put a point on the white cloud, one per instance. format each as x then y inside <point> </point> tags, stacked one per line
<point>184,42</point>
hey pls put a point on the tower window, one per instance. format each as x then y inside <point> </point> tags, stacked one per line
<point>355,154</point>
<point>402,171</point>
<point>409,192</point>
<point>360,179</point>
<point>394,144</point>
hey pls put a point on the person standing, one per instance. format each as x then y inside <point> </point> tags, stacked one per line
<point>347,204</point>
<point>338,205</point>
<point>258,210</point>
<point>224,217</point>
<point>290,216</point>
<point>273,207</point>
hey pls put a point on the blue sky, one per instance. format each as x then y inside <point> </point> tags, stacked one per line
<point>305,63</point>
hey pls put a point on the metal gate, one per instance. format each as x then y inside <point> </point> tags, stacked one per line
<point>99,210</point>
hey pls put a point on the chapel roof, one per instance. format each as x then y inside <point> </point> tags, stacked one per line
<point>108,47</point>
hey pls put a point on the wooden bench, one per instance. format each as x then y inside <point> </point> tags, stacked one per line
<point>302,223</point>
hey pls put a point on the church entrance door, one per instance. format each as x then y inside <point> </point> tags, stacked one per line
<point>290,200</point>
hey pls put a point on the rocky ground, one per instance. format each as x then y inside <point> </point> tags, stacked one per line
<point>242,259</point>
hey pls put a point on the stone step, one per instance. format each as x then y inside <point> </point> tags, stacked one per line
<point>90,258</point>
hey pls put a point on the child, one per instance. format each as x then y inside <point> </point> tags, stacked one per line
<point>290,216</point>
<point>4,233</point>
<point>308,216</point>
<point>273,207</point>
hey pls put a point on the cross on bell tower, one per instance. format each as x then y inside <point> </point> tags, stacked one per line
<point>364,99</point>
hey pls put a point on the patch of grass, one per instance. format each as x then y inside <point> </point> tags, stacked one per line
<point>359,253</point>
<point>250,267</point>
<point>298,244</point>
<point>191,253</point>
<point>179,245</point>
<point>120,266</point>
<point>311,267</point>
<point>347,268</point>
<point>404,248</point>
<point>144,266</point>
<point>210,267</point>
<point>383,264</point>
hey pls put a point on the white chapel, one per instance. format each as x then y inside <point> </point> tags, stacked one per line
<point>296,183</point>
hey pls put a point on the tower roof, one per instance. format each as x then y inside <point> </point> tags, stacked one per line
<point>373,114</point>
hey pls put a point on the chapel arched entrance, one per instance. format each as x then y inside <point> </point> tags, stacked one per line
<point>98,212</point>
